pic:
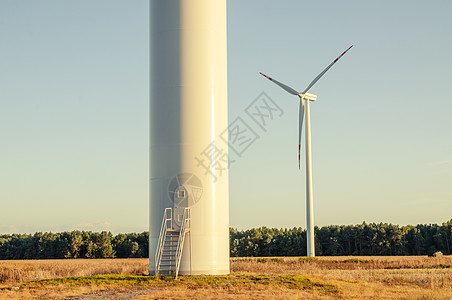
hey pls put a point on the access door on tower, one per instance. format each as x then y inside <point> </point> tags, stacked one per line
<point>184,190</point>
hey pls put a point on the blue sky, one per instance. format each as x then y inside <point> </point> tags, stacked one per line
<point>74,98</point>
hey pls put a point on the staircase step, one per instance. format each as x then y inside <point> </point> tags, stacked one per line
<point>167,266</point>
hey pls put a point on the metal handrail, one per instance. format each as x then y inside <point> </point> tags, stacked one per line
<point>180,242</point>
<point>162,237</point>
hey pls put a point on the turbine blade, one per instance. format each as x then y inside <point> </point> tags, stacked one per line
<point>285,87</point>
<point>300,127</point>
<point>324,71</point>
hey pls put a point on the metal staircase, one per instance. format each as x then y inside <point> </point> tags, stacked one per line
<point>171,242</point>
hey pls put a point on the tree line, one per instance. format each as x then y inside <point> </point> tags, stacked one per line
<point>334,240</point>
<point>75,244</point>
<point>362,239</point>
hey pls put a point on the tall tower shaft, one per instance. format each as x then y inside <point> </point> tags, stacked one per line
<point>188,129</point>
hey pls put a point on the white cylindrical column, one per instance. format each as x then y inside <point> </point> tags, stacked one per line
<point>309,190</point>
<point>188,129</point>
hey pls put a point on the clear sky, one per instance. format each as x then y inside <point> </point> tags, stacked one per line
<point>74,121</point>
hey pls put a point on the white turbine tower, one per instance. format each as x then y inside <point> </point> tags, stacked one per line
<point>189,191</point>
<point>305,96</point>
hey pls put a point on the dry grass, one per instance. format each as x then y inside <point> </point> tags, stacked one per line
<point>410,277</point>
<point>327,278</point>
<point>19,271</point>
<point>342,263</point>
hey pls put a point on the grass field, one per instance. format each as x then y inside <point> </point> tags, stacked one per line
<point>348,277</point>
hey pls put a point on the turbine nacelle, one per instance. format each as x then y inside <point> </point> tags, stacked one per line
<point>308,96</point>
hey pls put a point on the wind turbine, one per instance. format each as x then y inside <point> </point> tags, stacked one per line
<point>305,96</point>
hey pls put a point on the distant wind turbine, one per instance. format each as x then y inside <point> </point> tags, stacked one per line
<point>305,96</point>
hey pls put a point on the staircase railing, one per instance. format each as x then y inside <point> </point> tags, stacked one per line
<point>167,218</point>
<point>180,243</point>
